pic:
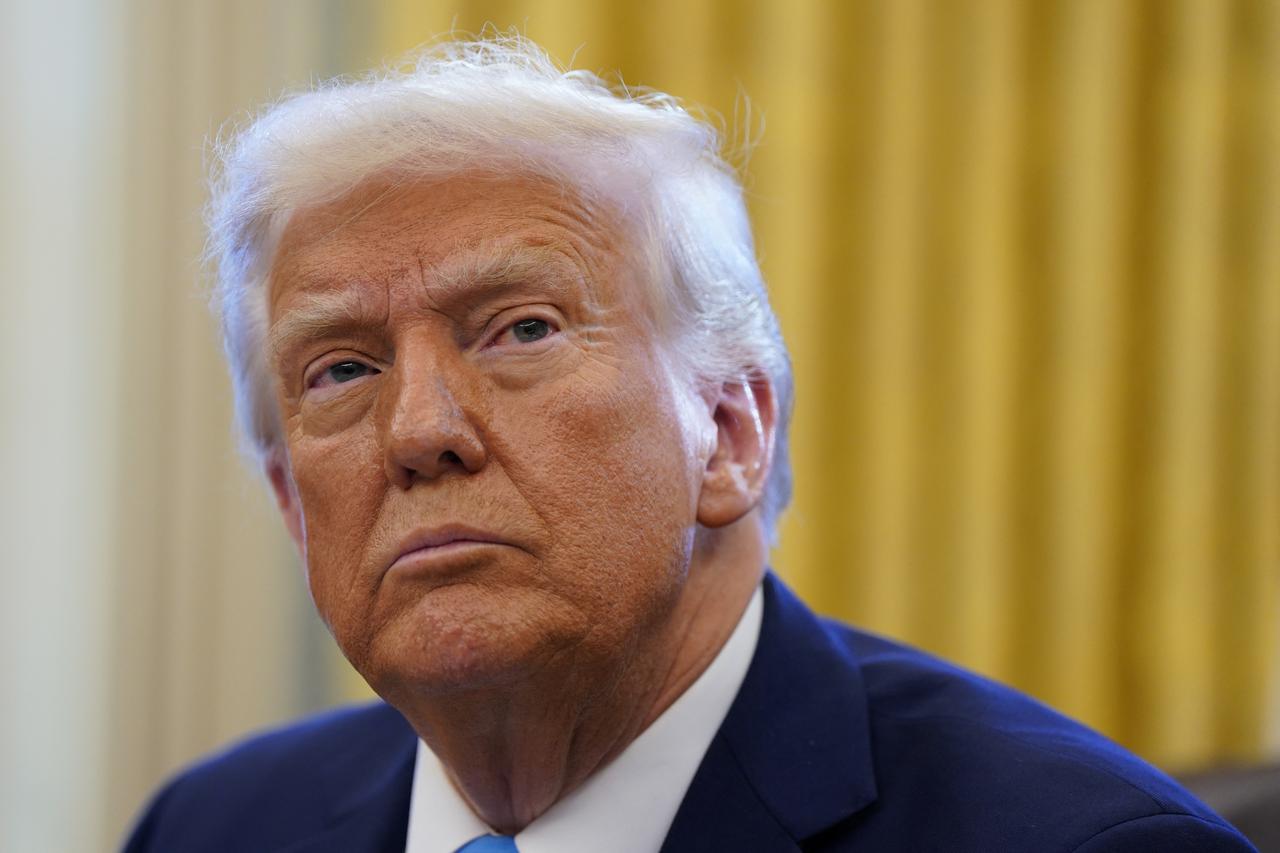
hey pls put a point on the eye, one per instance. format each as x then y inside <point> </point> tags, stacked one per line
<point>341,372</point>
<point>529,330</point>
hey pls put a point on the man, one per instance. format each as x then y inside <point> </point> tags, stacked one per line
<point>500,343</point>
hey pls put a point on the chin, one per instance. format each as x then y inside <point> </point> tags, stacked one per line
<point>456,643</point>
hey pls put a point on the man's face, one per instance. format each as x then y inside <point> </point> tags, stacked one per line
<point>467,360</point>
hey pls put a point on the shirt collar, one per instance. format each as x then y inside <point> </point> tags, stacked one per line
<point>632,800</point>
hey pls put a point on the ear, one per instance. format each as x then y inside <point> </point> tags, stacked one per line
<point>286,496</point>
<point>746,416</point>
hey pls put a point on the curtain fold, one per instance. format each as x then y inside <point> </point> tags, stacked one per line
<point>1024,253</point>
<point>1025,258</point>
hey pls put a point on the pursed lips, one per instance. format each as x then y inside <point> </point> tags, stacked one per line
<point>440,539</point>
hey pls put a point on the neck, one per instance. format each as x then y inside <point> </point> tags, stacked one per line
<point>514,753</point>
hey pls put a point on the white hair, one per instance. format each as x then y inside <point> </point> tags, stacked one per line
<point>500,105</point>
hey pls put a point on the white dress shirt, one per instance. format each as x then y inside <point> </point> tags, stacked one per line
<point>625,807</point>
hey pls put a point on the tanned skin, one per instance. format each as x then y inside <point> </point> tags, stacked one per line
<point>479,351</point>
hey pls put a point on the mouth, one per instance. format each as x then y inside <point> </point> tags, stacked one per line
<point>432,549</point>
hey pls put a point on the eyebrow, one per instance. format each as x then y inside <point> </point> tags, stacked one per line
<point>473,279</point>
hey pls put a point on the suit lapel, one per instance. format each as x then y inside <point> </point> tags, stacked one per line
<point>366,790</point>
<point>793,756</point>
<point>722,812</point>
<point>376,829</point>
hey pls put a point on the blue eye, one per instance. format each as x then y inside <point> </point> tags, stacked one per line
<point>532,329</point>
<point>345,371</point>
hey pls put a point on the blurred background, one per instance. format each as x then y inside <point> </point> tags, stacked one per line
<point>1026,255</point>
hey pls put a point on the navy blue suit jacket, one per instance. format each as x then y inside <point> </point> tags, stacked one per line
<point>837,741</point>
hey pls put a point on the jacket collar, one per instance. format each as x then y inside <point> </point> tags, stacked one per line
<point>365,787</point>
<point>793,756</point>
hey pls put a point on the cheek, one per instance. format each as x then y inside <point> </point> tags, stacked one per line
<point>609,470</point>
<point>339,486</point>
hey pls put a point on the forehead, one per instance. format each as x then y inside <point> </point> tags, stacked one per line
<point>449,232</point>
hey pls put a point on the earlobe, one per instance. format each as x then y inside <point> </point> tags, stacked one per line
<point>745,417</point>
<point>286,497</point>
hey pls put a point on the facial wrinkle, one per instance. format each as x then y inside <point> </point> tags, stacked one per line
<point>585,460</point>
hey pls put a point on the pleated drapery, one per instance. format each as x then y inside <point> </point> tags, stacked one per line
<point>1026,256</point>
<point>1027,259</point>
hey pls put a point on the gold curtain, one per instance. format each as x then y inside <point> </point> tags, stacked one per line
<point>1027,258</point>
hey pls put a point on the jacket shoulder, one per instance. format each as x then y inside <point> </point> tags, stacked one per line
<point>989,765</point>
<point>274,786</point>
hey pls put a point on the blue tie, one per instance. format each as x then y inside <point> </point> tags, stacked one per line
<point>490,844</point>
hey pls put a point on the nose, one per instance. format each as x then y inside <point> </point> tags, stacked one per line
<point>427,434</point>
